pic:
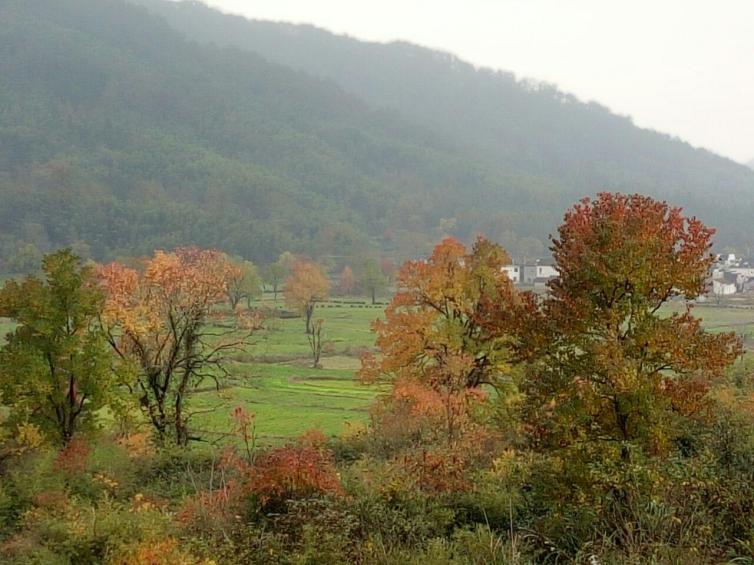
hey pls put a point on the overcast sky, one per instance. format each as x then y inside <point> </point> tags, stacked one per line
<point>685,67</point>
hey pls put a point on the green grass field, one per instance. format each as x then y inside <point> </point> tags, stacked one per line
<point>727,317</point>
<point>274,379</point>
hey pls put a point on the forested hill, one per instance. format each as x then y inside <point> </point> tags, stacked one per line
<point>119,134</point>
<point>530,126</point>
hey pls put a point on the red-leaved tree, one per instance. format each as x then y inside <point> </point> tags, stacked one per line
<point>617,363</point>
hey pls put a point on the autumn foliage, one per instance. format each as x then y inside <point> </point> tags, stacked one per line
<point>436,342</point>
<point>294,471</point>
<point>155,322</point>
<point>305,286</point>
<point>614,367</point>
<point>346,281</point>
<point>595,422</point>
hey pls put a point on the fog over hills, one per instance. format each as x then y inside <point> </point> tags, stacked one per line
<point>125,127</point>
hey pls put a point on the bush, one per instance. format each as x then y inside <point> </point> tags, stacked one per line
<point>294,471</point>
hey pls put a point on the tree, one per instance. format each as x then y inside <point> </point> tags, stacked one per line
<point>26,258</point>
<point>613,366</point>
<point>437,342</point>
<point>315,342</point>
<point>243,282</point>
<point>56,364</point>
<point>276,273</point>
<point>156,323</point>
<point>346,281</point>
<point>287,260</point>
<point>387,268</point>
<point>305,286</point>
<point>372,279</point>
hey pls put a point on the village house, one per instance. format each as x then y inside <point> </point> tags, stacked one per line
<point>731,275</point>
<point>544,269</point>
<point>536,274</point>
<point>513,272</point>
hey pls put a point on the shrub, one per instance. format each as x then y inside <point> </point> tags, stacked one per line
<point>292,472</point>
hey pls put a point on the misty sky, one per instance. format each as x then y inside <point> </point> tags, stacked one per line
<point>685,67</point>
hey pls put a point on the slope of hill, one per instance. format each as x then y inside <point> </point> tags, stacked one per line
<point>526,125</point>
<point>119,134</point>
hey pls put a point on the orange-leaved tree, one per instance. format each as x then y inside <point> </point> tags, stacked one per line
<point>615,365</point>
<point>346,281</point>
<point>156,322</point>
<point>443,336</point>
<point>304,287</point>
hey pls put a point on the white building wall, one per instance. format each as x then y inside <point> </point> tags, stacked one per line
<point>546,272</point>
<point>720,288</point>
<point>513,272</point>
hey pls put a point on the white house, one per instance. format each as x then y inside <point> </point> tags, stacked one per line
<point>722,288</point>
<point>546,272</point>
<point>542,270</point>
<point>513,272</point>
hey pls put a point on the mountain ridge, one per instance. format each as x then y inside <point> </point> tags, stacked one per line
<point>120,133</point>
<point>529,125</point>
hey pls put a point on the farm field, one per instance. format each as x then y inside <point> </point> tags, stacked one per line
<point>735,315</point>
<point>274,379</point>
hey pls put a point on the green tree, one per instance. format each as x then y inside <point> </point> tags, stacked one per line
<point>55,368</point>
<point>276,273</point>
<point>244,282</point>
<point>372,280</point>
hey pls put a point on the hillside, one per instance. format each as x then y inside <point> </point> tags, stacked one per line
<point>122,131</point>
<point>508,121</point>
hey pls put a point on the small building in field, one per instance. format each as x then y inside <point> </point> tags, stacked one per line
<point>745,272</point>
<point>546,272</point>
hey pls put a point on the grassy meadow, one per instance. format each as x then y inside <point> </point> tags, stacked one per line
<point>274,379</point>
